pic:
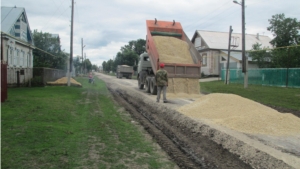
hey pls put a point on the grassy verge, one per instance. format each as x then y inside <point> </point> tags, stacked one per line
<point>274,96</point>
<point>68,127</point>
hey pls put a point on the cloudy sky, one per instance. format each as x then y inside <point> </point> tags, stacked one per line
<point>106,25</point>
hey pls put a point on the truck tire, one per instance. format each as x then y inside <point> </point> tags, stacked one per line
<point>141,86</point>
<point>153,88</point>
<point>147,84</point>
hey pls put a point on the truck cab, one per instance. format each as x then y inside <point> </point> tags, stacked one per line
<point>145,73</point>
<point>144,63</point>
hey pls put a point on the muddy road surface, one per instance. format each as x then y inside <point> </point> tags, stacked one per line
<point>190,143</point>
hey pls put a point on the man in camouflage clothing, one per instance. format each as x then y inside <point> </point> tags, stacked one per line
<point>161,79</point>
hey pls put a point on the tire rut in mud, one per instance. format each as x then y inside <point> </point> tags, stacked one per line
<point>167,145</point>
<point>187,149</point>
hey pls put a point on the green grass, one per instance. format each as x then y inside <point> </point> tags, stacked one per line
<point>69,127</point>
<point>274,96</point>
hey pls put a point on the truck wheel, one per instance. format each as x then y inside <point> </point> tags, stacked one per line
<point>141,86</point>
<point>153,88</point>
<point>147,84</point>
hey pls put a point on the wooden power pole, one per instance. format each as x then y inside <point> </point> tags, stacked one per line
<point>71,45</point>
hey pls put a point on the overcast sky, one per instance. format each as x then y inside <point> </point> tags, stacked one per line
<point>106,25</point>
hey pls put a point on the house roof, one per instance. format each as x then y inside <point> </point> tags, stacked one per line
<point>9,16</point>
<point>236,55</point>
<point>219,40</point>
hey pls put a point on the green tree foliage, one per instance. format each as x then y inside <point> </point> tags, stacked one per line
<point>87,65</point>
<point>77,64</point>
<point>260,55</point>
<point>138,46</point>
<point>285,30</point>
<point>95,67</point>
<point>51,45</point>
<point>286,33</point>
<point>104,64</point>
<point>128,55</point>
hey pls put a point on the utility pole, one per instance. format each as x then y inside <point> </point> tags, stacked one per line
<point>71,44</point>
<point>81,53</point>
<point>85,63</point>
<point>228,58</point>
<point>245,58</point>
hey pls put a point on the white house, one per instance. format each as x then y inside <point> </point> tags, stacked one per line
<point>17,44</point>
<point>213,49</point>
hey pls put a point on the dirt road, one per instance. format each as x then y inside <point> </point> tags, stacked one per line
<point>199,144</point>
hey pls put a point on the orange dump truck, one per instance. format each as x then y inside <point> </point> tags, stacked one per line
<point>149,62</point>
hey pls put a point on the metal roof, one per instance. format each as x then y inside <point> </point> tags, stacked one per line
<point>9,16</point>
<point>236,55</point>
<point>219,40</point>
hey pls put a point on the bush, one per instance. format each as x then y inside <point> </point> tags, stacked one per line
<point>37,81</point>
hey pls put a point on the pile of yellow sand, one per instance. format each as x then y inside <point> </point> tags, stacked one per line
<point>172,50</point>
<point>64,81</point>
<point>242,114</point>
<point>183,85</point>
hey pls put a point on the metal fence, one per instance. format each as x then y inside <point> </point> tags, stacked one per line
<point>284,77</point>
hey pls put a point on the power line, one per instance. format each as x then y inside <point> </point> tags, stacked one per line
<point>56,12</point>
<point>204,18</point>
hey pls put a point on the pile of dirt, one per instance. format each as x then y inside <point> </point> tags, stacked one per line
<point>172,50</point>
<point>64,81</point>
<point>242,114</point>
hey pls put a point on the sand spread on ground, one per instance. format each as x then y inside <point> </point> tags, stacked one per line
<point>242,114</point>
<point>172,50</point>
<point>64,81</point>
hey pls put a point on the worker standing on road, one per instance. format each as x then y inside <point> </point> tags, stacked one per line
<point>161,79</point>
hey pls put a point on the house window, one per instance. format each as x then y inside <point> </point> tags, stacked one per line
<point>204,59</point>
<point>25,60</point>
<point>16,57</point>
<point>29,60</point>
<point>22,57</point>
<point>10,56</point>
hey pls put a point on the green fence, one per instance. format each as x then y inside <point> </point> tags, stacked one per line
<point>284,77</point>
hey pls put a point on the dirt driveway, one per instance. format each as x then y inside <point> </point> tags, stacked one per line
<point>204,144</point>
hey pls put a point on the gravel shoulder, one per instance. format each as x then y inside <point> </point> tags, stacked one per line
<point>207,144</point>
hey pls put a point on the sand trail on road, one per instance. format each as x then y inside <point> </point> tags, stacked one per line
<point>242,114</point>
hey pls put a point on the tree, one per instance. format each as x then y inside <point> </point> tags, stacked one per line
<point>77,64</point>
<point>50,44</point>
<point>260,55</point>
<point>95,67</point>
<point>285,30</point>
<point>104,64</point>
<point>286,33</point>
<point>87,65</point>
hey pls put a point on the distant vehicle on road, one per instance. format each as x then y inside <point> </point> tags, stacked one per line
<point>124,71</point>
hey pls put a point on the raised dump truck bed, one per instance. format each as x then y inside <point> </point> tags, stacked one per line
<point>167,43</point>
<point>172,29</point>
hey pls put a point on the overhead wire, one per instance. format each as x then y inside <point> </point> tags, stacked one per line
<point>57,9</point>
<point>204,18</point>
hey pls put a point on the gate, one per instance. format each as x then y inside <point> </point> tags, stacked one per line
<point>3,82</point>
